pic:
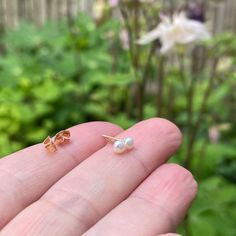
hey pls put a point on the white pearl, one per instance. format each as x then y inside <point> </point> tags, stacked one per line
<point>129,142</point>
<point>119,146</point>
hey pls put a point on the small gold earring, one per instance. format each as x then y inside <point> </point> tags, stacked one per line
<point>49,145</point>
<point>120,145</point>
<point>62,136</point>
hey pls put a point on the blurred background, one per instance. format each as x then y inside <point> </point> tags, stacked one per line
<point>64,62</point>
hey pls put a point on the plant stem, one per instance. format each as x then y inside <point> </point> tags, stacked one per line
<point>139,97</point>
<point>170,101</point>
<point>191,91</point>
<point>128,27</point>
<point>182,69</point>
<point>143,82</point>
<point>134,52</point>
<point>202,155</point>
<point>187,224</point>
<point>160,78</point>
<point>194,130</point>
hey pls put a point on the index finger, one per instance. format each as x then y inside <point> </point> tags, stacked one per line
<point>29,173</point>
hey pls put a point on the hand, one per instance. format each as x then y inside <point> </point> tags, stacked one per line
<point>86,189</point>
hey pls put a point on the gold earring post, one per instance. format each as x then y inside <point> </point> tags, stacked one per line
<point>110,138</point>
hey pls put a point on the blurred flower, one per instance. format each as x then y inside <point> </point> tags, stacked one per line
<point>214,134</point>
<point>215,131</point>
<point>113,3</point>
<point>179,30</point>
<point>124,38</point>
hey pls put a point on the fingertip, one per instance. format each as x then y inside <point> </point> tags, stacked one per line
<point>183,178</point>
<point>163,130</point>
<point>167,128</point>
<point>172,182</point>
<point>171,186</point>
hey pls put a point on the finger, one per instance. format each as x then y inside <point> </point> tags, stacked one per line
<point>157,206</point>
<point>101,182</point>
<point>29,173</point>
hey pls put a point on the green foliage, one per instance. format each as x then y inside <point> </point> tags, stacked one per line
<point>212,213</point>
<point>56,76</point>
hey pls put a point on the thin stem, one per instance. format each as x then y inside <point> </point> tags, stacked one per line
<point>128,28</point>
<point>134,52</point>
<point>180,60</point>
<point>139,98</point>
<point>187,224</point>
<point>170,101</point>
<point>143,82</point>
<point>202,154</point>
<point>148,62</point>
<point>172,6</point>
<point>191,91</point>
<point>194,131</point>
<point>160,80</point>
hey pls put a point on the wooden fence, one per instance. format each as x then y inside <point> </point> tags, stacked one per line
<point>39,11</point>
<point>222,13</point>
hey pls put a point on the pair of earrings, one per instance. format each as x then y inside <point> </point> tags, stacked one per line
<point>119,145</point>
<point>61,137</point>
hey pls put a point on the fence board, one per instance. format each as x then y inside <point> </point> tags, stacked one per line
<point>61,9</point>
<point>39,11</point>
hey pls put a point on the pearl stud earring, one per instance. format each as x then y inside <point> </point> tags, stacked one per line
<point>120,145</point>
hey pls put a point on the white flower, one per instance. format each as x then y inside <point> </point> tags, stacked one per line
<point>179,30</point>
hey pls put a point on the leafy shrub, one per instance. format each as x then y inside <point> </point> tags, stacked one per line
<point>57,76</point>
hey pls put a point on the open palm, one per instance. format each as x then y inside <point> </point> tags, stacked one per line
<point>86,189</point>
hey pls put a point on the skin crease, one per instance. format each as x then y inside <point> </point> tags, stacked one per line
<point>169,235</point>
<point>87,189</point>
